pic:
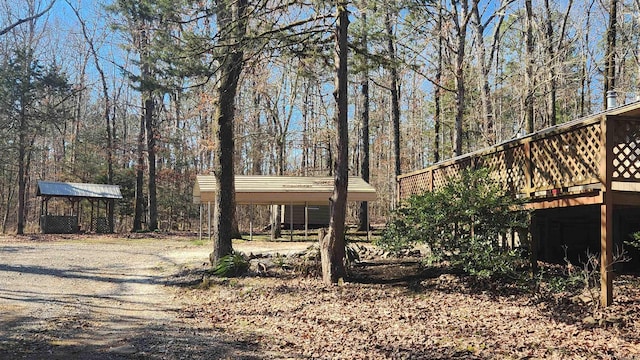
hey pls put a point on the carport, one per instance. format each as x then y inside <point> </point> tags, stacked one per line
<point>279,190</point>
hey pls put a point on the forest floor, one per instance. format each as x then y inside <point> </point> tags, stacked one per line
<point>91,297</point>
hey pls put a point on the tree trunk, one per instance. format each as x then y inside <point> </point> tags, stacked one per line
<point>461,22</point>
<point>230,15</point>
<point>151,159</point>
<point>485,89</point>
<point>332,247</point>
<point>395,88</point>
<point>22,181</point>
<point>363,214</point>
<point>529,82</point>
<point>257,148</point>
<point>139,198</point>
<point>10,192</point>
<point>438,88</point>
<point>551,57</point>
<point>225,204</point>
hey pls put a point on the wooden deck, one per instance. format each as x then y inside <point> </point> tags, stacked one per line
<point>589,161</point>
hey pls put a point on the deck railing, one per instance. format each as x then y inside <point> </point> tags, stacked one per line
<point>564,159</point>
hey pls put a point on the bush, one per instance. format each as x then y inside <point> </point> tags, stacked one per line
<point>234,264</point>
<point>460,223</point>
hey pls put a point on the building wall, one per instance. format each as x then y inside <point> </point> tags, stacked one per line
<point>318,216</point>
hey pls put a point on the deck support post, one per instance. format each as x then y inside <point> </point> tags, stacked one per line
<point>534,237</point>
<point>606,252</point>
<point>606,213</point>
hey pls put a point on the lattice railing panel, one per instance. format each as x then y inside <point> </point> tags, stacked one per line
<point>415,184</point>
<point>447,173</point>
<point>507,167</point>
<point>566,159</point>
<point>626,149</point>
<point>557,159</point>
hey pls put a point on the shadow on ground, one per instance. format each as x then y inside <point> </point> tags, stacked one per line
<point>76,341</point>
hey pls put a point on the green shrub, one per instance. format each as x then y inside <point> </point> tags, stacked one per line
<point>460,223</point>
<point>234,264</point>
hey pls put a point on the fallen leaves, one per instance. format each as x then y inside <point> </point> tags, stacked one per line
<point>302,318</point>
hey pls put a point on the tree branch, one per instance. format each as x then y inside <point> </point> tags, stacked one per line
<point>27,19</point>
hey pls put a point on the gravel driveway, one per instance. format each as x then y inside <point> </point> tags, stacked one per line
<point>103,298</point>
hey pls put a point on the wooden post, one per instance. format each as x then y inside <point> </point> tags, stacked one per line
<point>534,235</point>
<point>306,220</point>
<point>251,222</point>
<point>606,253</point>
<point>368,225</point>
<point>200,223</point>
<point>431,180</point>
<point>528,167</point>
<point>209,218</point>
<point>606,214</point>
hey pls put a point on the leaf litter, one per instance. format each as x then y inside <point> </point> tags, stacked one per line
<point>412,317</point>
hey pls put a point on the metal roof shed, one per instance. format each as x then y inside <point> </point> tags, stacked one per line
<point>282,190</point>
<point>75,193</point>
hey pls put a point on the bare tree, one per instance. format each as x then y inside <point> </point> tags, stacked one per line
<point>553,47</point>
<point>529,83</point>
<point>461,17</point>
<point>395,84</point>
<point>27,19</point>
<point>485,62</point>
<point>107,105</point>
<point>332,246</point>
<point>363,213</point>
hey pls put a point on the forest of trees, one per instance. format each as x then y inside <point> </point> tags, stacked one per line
<point>145,93</point>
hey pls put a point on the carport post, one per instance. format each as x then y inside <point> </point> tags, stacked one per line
<point>368,225</point>
<point>200,223</point>
<point>251,222</point>
<point>291,221</point>
<point>209,217</point>
<point>306,220</point>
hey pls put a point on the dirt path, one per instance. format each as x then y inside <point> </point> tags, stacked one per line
<point>102,299</point>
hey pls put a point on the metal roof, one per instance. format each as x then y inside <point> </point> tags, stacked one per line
<point>67,189</point>
<point>282,190</point>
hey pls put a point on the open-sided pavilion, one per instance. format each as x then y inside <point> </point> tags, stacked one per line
<point>279,190</point>
<point>100,196</point>
<point>586,170</point>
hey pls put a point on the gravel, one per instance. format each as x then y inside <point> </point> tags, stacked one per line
<point>103,298</point>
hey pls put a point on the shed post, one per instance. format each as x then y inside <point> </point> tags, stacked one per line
<point>110,214</point>
<point>200,222</point>
<point>92,217</point>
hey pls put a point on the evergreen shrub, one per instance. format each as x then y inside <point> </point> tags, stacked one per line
<point>461,223</point>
